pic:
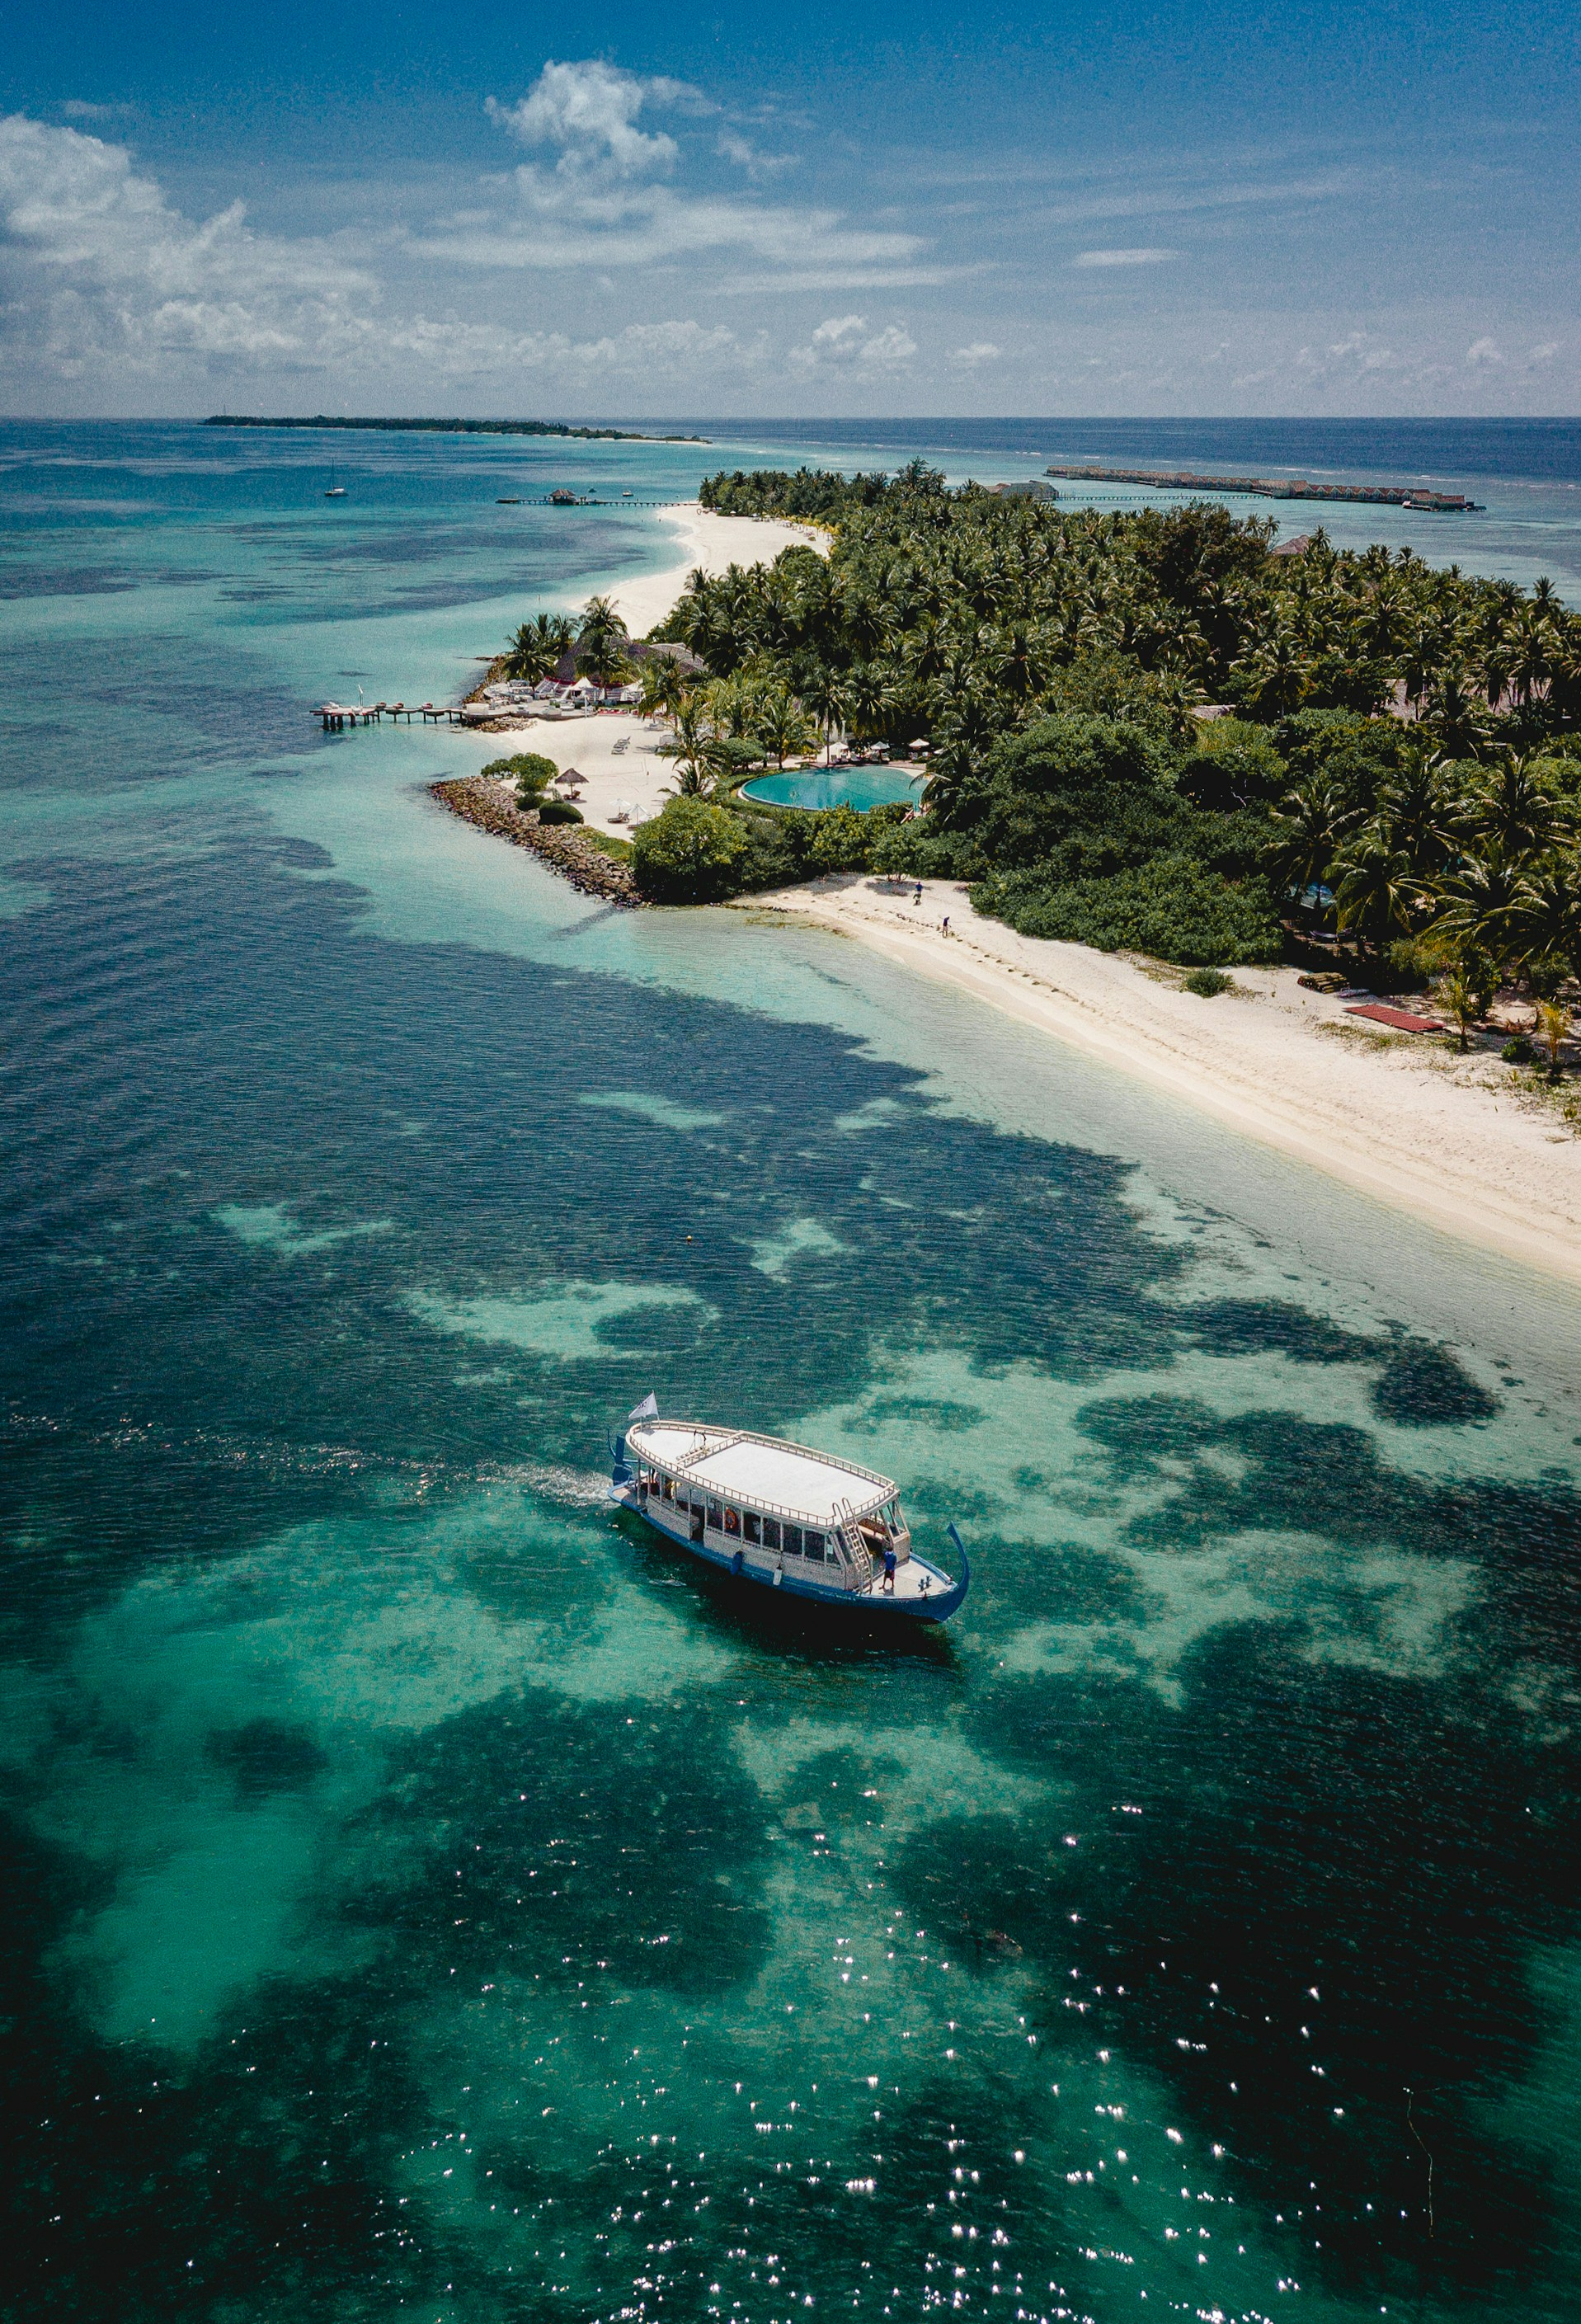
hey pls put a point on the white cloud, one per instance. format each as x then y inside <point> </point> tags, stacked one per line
<point>841,342</point>
<point>892,350</point>
<point>981,351</point>
<point>602,204</point>
<point>589,110</point>
<point>644,225</point>
<point>99,268</point>
<point>1121,257</point>
<point>1484,351</point>
<point>733,147</point>
<point>101,276</point>
<point>459,350</point>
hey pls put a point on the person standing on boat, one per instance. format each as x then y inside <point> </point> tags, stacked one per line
<point>888,1568</point>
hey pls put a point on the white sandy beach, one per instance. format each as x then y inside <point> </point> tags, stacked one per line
<point>1393,1114</point>
<point>617,752</point>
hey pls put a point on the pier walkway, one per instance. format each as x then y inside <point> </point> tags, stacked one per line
<point>338,716</point>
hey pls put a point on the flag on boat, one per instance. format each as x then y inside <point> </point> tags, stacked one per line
<point>647,1410</point>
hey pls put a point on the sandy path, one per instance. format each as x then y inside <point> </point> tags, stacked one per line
<point>1401,1119</point>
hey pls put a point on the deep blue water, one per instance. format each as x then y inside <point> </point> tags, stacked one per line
<point>427,1897</point>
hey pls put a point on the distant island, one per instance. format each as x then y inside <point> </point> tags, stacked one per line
<point>455,428</point>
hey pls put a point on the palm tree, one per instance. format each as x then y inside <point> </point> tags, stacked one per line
<point>1457,714</point>
<point>704,758</point>
<point>784,726</point>
<point>1513,810</point>
<point>1553,1025</point>
<point>1483,905</point>
<point>1457,995</point>
<point>537,647</point>
<point>601,639</point>
<point>1310,826</point>
<point>663,685</point>
<point>826,696</point>
<point>1277,674</point>
<point>871,698</point>
<point>1377,890</point>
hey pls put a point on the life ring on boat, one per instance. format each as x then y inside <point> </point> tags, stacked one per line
<point>735,1565</point>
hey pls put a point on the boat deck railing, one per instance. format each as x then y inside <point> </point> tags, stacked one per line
<point>708,1445</point>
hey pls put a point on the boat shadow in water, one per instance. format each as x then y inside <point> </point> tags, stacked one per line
<point>764,1616</point>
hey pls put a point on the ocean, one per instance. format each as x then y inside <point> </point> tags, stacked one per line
<point>1191,1929</point>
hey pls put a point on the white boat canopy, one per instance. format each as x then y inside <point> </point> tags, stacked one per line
<point>764,1471</point>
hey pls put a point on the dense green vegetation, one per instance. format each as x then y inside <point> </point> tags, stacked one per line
<point>1056,660</point>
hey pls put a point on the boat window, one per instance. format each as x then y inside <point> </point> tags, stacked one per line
<point>715,1518</point>
<point>771,1533</point>
<point>814,1543</point>
<point>751,1524</point>
<point>732,1521</point>
<point>792,1537</point>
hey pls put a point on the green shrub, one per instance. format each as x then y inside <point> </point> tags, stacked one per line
<point>692,853</point>
<point>530,770</point>
<point>1233,765</point>
<point>1208,983</point>
<point>558,811</point>
<point>839,840</point>
<point>1170,909</point>
<point>1518,1052</point>
<point>923,849</point>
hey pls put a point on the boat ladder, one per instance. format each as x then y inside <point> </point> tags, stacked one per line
<point>854,1554</point>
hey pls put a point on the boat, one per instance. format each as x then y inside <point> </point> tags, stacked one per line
<point>783,1516</point>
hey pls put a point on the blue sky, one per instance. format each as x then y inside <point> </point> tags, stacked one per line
<point>1202,208</point>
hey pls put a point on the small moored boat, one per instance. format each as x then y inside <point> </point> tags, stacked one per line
<point>783,1515</point>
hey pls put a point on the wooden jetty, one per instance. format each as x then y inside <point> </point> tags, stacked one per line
<point>335,717</point>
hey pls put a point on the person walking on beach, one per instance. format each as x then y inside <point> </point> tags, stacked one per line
<point>947,924</point>
<point>917,898</point>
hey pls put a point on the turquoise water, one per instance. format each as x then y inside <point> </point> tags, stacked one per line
<point>857,787</point>
<point>429,1897</point>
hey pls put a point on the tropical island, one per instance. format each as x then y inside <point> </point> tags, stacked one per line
<point>1155,732</point>
<point>1155,758</point>
<point>452,427</point>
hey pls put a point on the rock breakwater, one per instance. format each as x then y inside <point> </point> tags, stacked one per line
<point>492,806</point>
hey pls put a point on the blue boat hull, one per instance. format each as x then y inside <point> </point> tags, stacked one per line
<point>867,1605</point>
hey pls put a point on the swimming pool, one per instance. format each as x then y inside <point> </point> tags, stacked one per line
<point>857,787</point>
